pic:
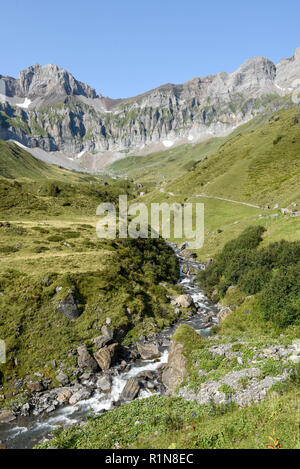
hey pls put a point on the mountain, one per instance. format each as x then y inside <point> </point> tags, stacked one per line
<point>46,107</point>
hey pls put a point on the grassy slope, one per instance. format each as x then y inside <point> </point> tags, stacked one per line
<point>177,424</point>
<point>51,242</point>
<point>253,166</point>
<point>16,163</point>
<point>259,165</point>
<point>165,165</point>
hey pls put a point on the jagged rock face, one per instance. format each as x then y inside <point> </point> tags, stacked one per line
<point>288,70</point>
<point>41,81</point>
<point>47,108</point>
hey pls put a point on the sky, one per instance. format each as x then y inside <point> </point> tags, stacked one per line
<point>126,47</point>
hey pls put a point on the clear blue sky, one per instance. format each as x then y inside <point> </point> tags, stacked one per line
<point>125,47</point>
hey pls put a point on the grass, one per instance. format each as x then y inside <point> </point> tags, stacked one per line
<point>116,279</point>
<point>48,248</point>
<point>249,166</point>
<point>162,423</point>
<point>246,168</point>
<point>163,166</point>
<point>16,163</point>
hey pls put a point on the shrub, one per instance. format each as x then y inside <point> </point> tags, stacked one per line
<point>253,280</point>
<point>280,299</point>
<point>272,272</point>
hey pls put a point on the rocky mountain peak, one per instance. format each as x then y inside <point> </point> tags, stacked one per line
<point>38,81</point>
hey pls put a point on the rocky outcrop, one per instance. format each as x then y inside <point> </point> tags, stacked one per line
<point>175,371</point>
<point>223,313</point>
<point>48,81</point>
<point>48,108</point>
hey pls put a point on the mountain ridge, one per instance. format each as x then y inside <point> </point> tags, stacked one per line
<point>46,107</point>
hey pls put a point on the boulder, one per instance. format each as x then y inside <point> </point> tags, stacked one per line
<point>223,313</point>
<point>105,338</point>
<point>64,397</point>
<point>106,355</point>
<point>85,360</point>
<point>130,390</point>
<point>104,383</point>
<point>185,301</point>
<point>175,371</point>
<point>147,375</point>
<point>62,379</point>
<point>80,395</point>
<point>148,351</point>
<point>6,416</point>
<point>68,307</point>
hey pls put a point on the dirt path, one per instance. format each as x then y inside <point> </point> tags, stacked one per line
<point>228,200</point>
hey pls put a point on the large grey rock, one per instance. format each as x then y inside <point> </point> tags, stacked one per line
<point>80,395</point>
<point>104,383</point>
<point>62,378</point>
<point>175,371</point>
<point>6,416</point>
<point>148,351</point>
<point>185,301</point>
<point>130,390</point>
<point>69,307</point>
<point>105,356</point>
<point>85,360</point>
<point>105,338</point>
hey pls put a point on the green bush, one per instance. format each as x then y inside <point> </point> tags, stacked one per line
<point>271,272</point>
<point>280,299</point>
